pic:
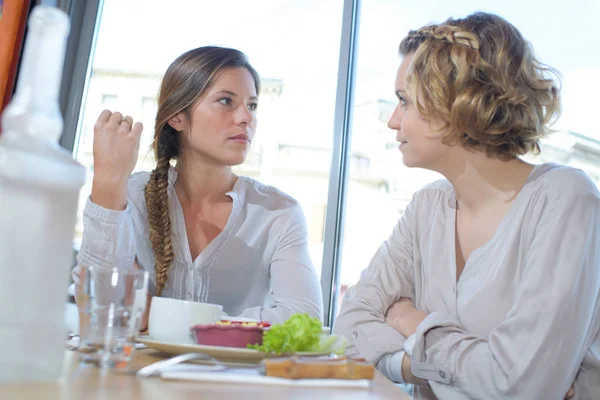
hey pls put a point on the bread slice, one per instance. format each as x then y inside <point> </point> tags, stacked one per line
<point>317,368</point>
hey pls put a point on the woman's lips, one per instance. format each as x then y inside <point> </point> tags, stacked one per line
<point>242,138</point>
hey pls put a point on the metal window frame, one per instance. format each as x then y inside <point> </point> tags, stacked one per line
<point>85,16</point>
<point>338,176</point>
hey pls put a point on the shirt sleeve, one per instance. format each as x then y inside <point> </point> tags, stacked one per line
<point>389,276</point>
<point>294,281</point>
<point>391,366</point>
<point>536,352</point>
<point>108,238</point>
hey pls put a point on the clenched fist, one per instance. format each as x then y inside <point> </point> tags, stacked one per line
<point>116,146</point>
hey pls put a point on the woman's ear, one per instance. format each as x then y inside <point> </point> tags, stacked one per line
<point>177,122</point>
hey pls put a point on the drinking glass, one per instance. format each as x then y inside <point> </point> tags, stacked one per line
<point>111,304</point>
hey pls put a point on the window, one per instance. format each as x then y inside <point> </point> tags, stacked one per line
<point>295,46</point>
<point>298,68</point>
<point>371,213</point>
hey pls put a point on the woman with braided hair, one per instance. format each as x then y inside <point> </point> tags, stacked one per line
<point>489,285</point>
<point>203,233</point>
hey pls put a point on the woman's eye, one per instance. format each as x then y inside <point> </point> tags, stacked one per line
<point>252,106</point>
<point>402,101</point>
<point>225,101</point>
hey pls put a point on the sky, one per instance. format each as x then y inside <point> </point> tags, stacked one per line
<point>298,41</point>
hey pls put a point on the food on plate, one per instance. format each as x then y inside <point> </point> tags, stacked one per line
<point>317,368</point>
<point>261,324</point>
<point>300,333</point>
<point>230,333</point>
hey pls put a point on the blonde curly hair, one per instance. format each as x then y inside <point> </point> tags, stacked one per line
<point>479,78</point>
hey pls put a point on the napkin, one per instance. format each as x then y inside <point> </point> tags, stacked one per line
<point>246,376</point>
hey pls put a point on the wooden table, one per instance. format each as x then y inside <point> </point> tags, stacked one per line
<point>84,382</point>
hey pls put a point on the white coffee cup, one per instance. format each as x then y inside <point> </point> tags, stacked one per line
<point>171,319</point>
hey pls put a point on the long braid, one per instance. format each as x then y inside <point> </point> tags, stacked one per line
<point>157,202</point>
<point>186,80</point>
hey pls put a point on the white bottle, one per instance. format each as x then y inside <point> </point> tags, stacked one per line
<point>39,190</point>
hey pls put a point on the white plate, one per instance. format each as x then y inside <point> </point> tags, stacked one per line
<point>232,354</point>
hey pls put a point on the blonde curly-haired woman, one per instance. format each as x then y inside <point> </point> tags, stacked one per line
<point>489,286</point>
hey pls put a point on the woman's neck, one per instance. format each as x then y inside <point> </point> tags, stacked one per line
<point>481,182</point>
<point>200,184</point>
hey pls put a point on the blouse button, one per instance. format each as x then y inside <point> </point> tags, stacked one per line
<point>442,375</point>
<point>354,334</point>
<point>189,295</point>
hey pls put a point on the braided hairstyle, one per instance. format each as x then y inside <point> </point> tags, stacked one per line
<point>187,79</point>
<point>480,79</point>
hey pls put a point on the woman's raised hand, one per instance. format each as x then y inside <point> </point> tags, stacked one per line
<point>116,146</point>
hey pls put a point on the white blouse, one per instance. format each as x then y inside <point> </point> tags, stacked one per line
<point>522,321</point>
<point>257,267</point>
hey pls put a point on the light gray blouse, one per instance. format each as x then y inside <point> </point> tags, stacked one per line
<point>257,267</point>
<point>522,321</point>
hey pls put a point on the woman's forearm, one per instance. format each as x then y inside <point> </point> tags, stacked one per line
<point>407,375</point>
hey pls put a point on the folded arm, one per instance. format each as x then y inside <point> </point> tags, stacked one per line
<point>389,277</point>
<point>538,349</point>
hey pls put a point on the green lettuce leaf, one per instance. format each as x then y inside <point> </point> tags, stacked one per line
<point>335,344</point>
<point>300,332</point>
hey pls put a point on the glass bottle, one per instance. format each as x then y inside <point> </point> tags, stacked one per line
<point>39,191</point>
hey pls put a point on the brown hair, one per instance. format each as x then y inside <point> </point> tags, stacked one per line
<point>186,80</point>
<point>479,78</point>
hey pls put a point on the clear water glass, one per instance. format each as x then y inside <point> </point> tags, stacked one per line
<point>111,304</point>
